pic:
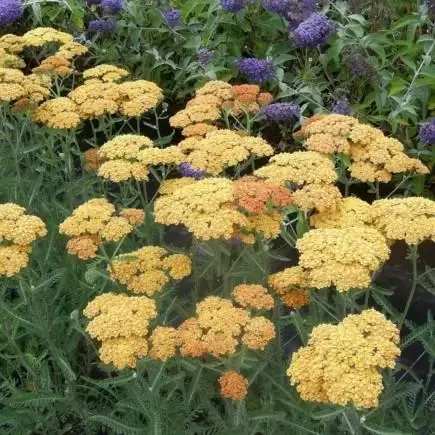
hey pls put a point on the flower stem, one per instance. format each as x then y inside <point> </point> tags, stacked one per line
<point>413,255</point>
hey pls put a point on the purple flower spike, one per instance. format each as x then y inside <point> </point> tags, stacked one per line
<point>359,66</point>
<point>312,32</point>
<point>102,26</point>
<point>172,17</point>
<point>256,70</point>
<point>342,107</point>
<point>281,112</point>
<point>187,170</point>
<point>427,132</point>
<point>111,6</point>
<point>234,5</point>
<point>10,11</point>
<point>204,56</point>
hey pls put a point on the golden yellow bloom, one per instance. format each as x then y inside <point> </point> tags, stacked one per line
<point>123,170</point>
<point>134,216</point>
<point>221,90</point>
<point>219,344</point>
<point>343,257</point>
<point>164,341</point>
<point>10,60</point>
<point>84,247</point>
<point>223,148</point>
<point>55,66</point>
<point>40,36</point>
<point>11,84</point>
<point>125,146</point>
<point>204,207</point>
<point>300,168</point>
<point>123,352</point>
<point>317,197</point>
<point>137,97</point>
<point>195,114</point>
<point>253,296</point>
<point>341,364</point>
<point>69,50</point>
<point>105,73</point>
<point>233,385</point>
<point>296,298</point>
<point>258,332</point>
<point>375,157</point>
<point>13,44</point>
<point>409,219</point>
<point>12,259</point>
<point>266,224</point>
<point>148,269</point>
<point>116,316</point>
<point>57,113</point>
<point>96,99</point>
<point>168,187</point>
<point>161,156</point>
<point>349,212</point>
<point>92,223</point>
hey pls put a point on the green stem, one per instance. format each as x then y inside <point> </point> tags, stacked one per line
<point>413,255</point>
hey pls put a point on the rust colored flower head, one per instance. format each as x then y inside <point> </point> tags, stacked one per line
<point>233,385</point>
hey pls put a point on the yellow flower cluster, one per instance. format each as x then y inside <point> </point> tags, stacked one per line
<point>253,296</point>
<point>221,149</point>
<point>54,66</point>
<point>311,172</point>
<point>128,156</point>
<point>10,60</point>
<point>17,232</point>
<point>15,86</point>
<point>164,340</point>
<point>291,285</point>
<point>341,363</point>
<point>219,327</point>
<point>57,113</point>
<point>233,385</point>
<point>375,157</point>
<point>409,219</point>
<point>202,112</point>
<point>350,212</point>
<point>95,222</point>
<point>205,207</point>
<point>121,323</point>
<point>149,269</point>
<point>214,208</point>
<point>105,73</point>
<point>343,257</point>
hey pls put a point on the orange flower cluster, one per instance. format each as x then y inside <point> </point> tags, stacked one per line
<point>95,222</point>
<point>233,385</point>
<point>253,296</point>
<point>205,109</point>
<point>219,327</point>
<point>149,269</point>
<point>18,231</point>
<point>211,209</point>
<point>375,157</point>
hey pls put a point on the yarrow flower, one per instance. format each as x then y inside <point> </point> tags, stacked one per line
<point>281,112</point>
<point>104,26</point>
<point>342,107</point>
<point>234,5</point>
<point>253,296</point>
<point>204,56</point>
<point>233,385</point>
<point>256,70</point>
<point>312,32</point>
<point>172,17</point>
<point>10,11</point>
<point>18,231</point>
<point>427,132</point>
<point>341,363</point>
<point>149,269</point>
<point>111,6</point>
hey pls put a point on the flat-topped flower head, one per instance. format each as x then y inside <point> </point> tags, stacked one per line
<point>164,342</point>
<point>105,73</point>
<point>300,168</point>
<point>344,257</point>
<point>253,296</point>
<point>317,197</point>
<point>341,364</point>
<point>149,269</point>
<point>409,219</point>
<point>59,113</point>
<point>93,223</point>
<point>18,231</point>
